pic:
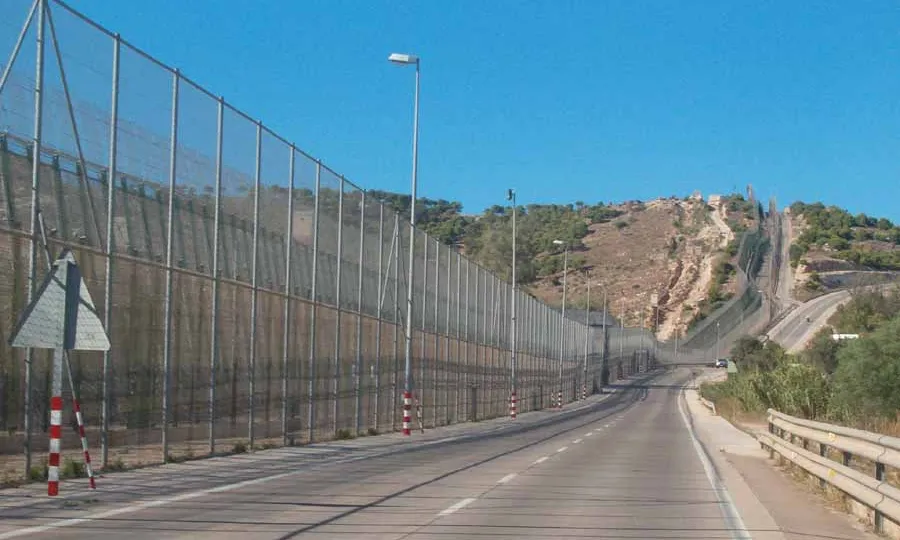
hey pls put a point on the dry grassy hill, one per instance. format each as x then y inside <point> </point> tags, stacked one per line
<point>670,247</point>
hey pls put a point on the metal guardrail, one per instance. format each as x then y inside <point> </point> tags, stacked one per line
<point>790,438</point>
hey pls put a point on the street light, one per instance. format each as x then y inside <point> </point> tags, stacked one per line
<point>511,196</point>
<point>407,59</point>
<point>559,399</point>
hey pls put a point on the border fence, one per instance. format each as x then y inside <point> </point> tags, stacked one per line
<point>252,295</point>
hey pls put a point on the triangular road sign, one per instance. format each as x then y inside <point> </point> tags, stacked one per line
<point>61,315</point>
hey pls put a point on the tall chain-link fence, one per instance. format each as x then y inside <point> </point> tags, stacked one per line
<point>742,312</point>
<point>252,295</point>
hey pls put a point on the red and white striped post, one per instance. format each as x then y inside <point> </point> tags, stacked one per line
<point>407,405</point>
<point>512,405</point>
<point>55,436</point>
<point>84,443</point>
<point>559,400</point>
<point>584,391</point>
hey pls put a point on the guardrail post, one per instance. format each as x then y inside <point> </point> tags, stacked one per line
<point>847,458</point>
<point>879,517</point>
<point>823,449</point>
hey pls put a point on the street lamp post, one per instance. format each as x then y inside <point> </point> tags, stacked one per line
<point>513,383</point>
<point>562,321</point>
<point>408,59</point>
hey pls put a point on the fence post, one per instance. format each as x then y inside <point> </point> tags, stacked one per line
<point>286,329</point>
<point>435,327</point>
<point>214,326</point>
<point>35,203</point>
<point>396,371</point>
<point>170,228</point>
<point>422,351</point>
<point>448,362</point>
<point>380,313</point>
<point>479,332</point>
<point>456,360</point>
<point>467,339</point>
<point>314,302</point>
<point>359,309</point>
<point>336,365</point>
<point>110,242</point>
<point>254,291</point>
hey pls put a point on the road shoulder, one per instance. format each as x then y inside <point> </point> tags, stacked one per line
<point>772,505</point>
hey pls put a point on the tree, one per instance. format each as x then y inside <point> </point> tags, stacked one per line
<point>868,375</point>
<point>745,347</point>
<point>822,351</point>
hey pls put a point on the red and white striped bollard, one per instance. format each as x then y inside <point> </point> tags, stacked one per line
<point>55,436</point>
<point>512,405</point>
<point>84,443</point>
<point>407,405</point>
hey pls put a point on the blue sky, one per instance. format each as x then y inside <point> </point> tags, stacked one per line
<point>594,100</point>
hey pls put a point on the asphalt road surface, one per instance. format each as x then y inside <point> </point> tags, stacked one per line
<point>794,332</point>
<point>626,467</point>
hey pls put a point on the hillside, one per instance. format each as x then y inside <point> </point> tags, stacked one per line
<point>832,248</point>
<point>683,250</point>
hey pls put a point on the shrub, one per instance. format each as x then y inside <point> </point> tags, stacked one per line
<point>868,376</point>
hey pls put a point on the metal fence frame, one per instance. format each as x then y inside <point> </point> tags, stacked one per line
<point>216,272</point>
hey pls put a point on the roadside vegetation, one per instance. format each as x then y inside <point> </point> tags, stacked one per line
<point>485,236</point>
<point>851,382</point>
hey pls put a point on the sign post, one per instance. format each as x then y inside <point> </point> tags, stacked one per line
<point>61,317</point>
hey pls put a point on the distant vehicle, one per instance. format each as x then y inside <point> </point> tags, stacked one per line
<point>808,319</point>
<point>722,362</point>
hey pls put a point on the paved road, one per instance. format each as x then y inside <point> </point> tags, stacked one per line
<point>794,332</point>
<point>626,467</point>
<point>785,291</point>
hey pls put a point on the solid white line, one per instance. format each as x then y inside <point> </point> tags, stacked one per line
<point>563,449</point>
<point>507,478</point>
<point>729,512</point>
<point>541,460</point>
<point>577,441</point>
<point>461,504</point>
<point>159,502</point>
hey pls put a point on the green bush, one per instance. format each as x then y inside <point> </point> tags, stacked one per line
<point>867,377</point>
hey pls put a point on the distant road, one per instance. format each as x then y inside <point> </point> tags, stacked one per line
<point>794,332</point>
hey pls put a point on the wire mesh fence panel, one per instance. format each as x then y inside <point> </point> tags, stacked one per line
<point>256,296</point>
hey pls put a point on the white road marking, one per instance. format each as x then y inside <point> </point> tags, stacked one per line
<point>507,478</point>
<point>164,501</point>
<point>729,511</point>
<point>541,460</point>
<point>589,433</point>
<point>577,441</point>
<point>461,504</point>
<point>607,425</point>
<point>563,449</point>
